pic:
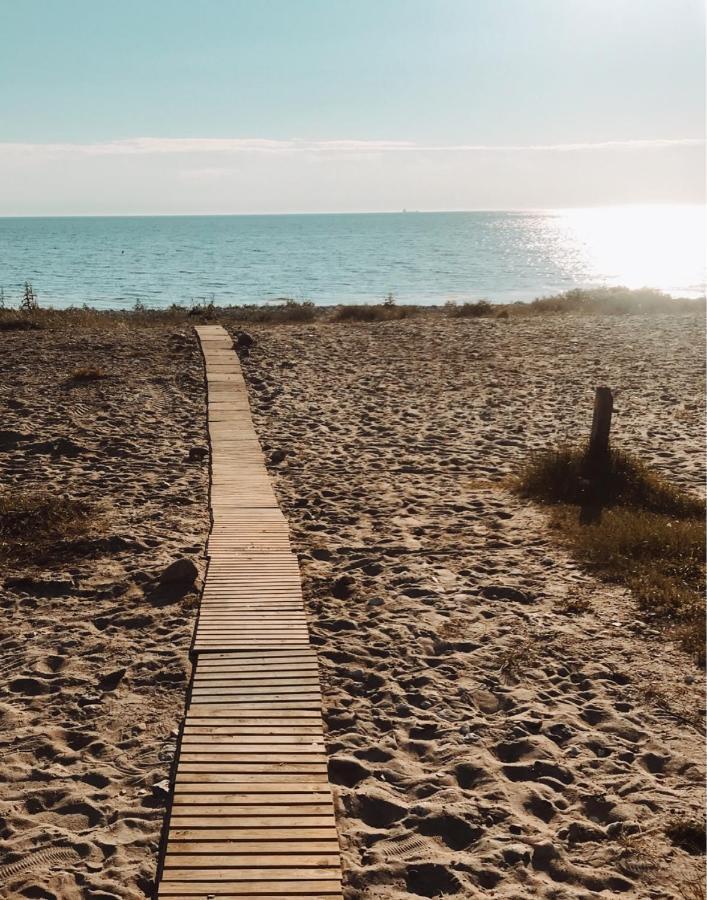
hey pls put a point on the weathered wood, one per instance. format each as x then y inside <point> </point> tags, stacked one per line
<point>252,813</point>
<point>601,423</point>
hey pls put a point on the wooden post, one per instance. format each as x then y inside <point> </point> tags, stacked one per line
<point>601,423</point>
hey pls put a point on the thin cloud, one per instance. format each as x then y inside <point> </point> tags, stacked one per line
<point>150,146</point>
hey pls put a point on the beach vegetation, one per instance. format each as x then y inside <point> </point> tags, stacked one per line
<point>632,527</point>
<point>387,311</point>
<point>470,310</point>
<point>608,301</point>
<point>35,526</point>
<point>202,307</point>
<point>288,310</point>
<point>29,302</point>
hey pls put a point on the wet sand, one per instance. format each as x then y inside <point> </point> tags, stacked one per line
<point>485,740</point>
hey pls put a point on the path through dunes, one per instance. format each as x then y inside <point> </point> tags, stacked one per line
<point>252,812</point>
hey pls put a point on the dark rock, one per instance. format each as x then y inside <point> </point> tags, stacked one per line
<point>181,572</point>
<point>196,454</point>
<point>243,341</point>
<point>278,456</point>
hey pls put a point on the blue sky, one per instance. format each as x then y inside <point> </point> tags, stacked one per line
<point>390,103</point>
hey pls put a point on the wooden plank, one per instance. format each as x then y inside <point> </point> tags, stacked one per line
<point>267,890</point>
<point>250,834</point>
<point>221,872</point>
<point>227,858</point>
<point>253,848</point>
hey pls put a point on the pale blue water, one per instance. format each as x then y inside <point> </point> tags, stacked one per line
<point>419,257</point>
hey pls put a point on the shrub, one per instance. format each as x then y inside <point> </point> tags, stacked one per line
<point>477,310</point>
<point>387,311</point>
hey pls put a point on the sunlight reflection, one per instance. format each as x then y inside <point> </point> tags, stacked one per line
<point>637,246</point>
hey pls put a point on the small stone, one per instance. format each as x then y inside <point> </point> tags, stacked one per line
<point>375,601</point>
<point>196,454</point>
<point>181,571</point>
<point>278,456</point>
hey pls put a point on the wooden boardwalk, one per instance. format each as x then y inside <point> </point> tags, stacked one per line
<point>252,813</point>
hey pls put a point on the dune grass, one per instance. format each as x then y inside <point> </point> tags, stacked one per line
<point>632,527</point>
<point>34,525</point>
<point>373,312</point>
<point>609,301</point>
<point>476,310</point>
<point>29,315</point>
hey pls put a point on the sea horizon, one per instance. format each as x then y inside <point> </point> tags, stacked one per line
<point>421,257</point>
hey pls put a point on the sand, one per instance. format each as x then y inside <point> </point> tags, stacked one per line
<point>484,740</point>
<point>94,653</point>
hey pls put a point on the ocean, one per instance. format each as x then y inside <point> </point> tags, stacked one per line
<point>425,258</point>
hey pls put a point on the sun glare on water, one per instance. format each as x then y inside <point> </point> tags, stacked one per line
<point>638,246</point>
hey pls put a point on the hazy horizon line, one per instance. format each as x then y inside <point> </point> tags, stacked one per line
<point>346,212</point>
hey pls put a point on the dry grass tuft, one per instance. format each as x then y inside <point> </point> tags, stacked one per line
<point>631,527</point>
<point>11,320</point>
<point>35,525</point>
<point>516,660</point>
<point>565,475</point>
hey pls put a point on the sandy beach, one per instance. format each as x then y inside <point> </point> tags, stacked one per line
<point>94,651</point>
<point>500,723</point>
<point>484,739</point>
